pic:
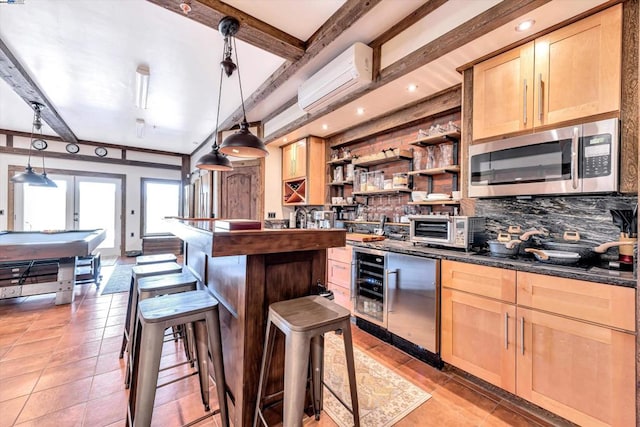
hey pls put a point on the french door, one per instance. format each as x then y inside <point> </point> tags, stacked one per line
<point>79,203</point>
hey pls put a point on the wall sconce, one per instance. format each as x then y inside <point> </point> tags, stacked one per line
<point>142,86</point>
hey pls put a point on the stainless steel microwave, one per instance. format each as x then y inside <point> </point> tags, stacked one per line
<point>462,232</point>
<point>568,160</point>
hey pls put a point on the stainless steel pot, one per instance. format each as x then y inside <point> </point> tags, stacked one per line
<point>504,246</point>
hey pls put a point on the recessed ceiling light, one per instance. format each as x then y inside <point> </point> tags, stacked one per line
<point>284,139</point>
<point>412,87</point>
<point>325,127</point>
<point>360,111</point>
<point>525,25</point>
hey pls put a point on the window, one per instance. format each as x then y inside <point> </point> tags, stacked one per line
<point>160,199</point>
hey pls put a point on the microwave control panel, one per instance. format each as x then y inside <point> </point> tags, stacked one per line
<point>596,156</point>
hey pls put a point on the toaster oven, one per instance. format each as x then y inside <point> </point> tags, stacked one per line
<point>461,232</point>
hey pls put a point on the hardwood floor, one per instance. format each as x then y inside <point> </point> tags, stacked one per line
<point>59,366</point>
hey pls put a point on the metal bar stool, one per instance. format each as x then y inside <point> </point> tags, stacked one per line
<point>153,286</point>
<point>138,272</point>
<point>304,322</point>
<point>154,316</point>
<point>155,259</point>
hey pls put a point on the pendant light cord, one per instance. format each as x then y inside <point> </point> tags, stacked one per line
<point>215,131</point>
<point>235,49</point>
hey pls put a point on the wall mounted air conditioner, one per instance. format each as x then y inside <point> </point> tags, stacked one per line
<point>347,72</point>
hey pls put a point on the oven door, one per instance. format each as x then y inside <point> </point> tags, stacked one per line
<point>541,163</point>
<point>431,229</point>
<point>370,285</point>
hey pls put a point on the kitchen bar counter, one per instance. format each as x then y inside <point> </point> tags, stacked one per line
<point>246,270</point>
<point>593,274</point>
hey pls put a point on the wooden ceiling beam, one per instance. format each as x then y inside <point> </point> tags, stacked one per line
<point>19,80</point>
<point>252,30</point>
<point>476,27</point>
<point>350,12</point>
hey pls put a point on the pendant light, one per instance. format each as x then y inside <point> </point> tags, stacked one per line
<point>41,145</point>
<point>29,176</point>
<point>215,160</point>
<point>242,143</point>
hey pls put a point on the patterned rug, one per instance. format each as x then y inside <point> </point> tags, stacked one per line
<point>384,396</point>
<point>120,280</point>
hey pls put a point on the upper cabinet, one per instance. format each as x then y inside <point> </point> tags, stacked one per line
<point>568,74</point>
<point>294,160</point>
<point>303,172</point>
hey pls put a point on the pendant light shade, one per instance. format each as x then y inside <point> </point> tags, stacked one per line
<point>28,177</point>
<point>243,143</point>
<point>214,161</point>
<point>46,182</point>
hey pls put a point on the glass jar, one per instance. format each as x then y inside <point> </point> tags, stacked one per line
<point>446,155</point>
<point>400,180</point>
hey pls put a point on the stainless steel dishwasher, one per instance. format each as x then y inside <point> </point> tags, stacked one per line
<point>412,299</point>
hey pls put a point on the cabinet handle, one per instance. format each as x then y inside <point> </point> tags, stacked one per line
<point>524,101</point>
<point>522,335</point>
<point>506,330</point>
<point>341,267</point>
<point>540,96</point>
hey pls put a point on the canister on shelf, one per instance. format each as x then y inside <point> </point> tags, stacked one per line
<point>400,180</point>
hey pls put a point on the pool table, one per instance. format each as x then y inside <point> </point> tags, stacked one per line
<point>37,262</point>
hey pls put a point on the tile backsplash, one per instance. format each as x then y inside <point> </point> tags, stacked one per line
<point>588,215</point>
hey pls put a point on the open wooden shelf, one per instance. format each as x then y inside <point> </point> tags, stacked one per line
<point>437,171</point>
<point>339,183</point>
<point>435,202</point>
<point>382,192</point>
<point>386,157</point>
<point>342,161</point>
<point>437,139</point>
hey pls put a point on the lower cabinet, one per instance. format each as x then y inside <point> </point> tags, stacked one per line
<point>339,275</point>
<point>566,345</point>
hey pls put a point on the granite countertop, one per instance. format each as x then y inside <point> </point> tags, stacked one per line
<point>592,274</point>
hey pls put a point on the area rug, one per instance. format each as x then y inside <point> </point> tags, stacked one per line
<point>120,279</point>
<point>384,396</point>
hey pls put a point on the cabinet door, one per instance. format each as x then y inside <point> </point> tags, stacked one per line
<point>577,69</point>
<point>342,296</point>
<point>492,282</point>
<point>294,160</point>
<point>503,93</point>
<point>478,336</point>
<point>580,371</point>
<point>339,273</point>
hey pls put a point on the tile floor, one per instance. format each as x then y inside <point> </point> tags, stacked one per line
<point>59,366</point>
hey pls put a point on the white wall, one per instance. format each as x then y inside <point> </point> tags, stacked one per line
<point>132,190</point>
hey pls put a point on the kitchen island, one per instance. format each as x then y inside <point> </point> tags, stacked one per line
<point>246,270</point>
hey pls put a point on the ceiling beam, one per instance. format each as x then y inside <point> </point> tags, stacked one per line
<point>472,29</point>
<point>19,80</point>
<point>348,14</point>
<point>252,30</point>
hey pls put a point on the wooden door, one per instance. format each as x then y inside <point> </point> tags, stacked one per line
<point>577,69</point>
<point>478,336</point>
<point>580,371</point>
<point>242,191</point>
<point>294,160</point>
<point>503,93</point>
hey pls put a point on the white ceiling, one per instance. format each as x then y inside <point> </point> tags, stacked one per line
<point>83,55</point>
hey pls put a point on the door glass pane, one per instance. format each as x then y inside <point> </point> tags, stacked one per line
<point>162,199</point>
<point>96,209</point>
<point>44,208</point>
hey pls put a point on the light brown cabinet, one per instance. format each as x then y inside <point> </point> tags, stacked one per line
<point>303,172</point>
<point>575,356</point>
<point>339,275</point>
<point>294,160</point>
<point>567,345</point>
<point>478,321</point>
<point>571,73</point>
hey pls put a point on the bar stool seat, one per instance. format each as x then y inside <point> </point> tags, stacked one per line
<point>155,259</point>
<point>304,321</point>
<point>154,316</point>
<point>153,286</point>
<point>137,273</point>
